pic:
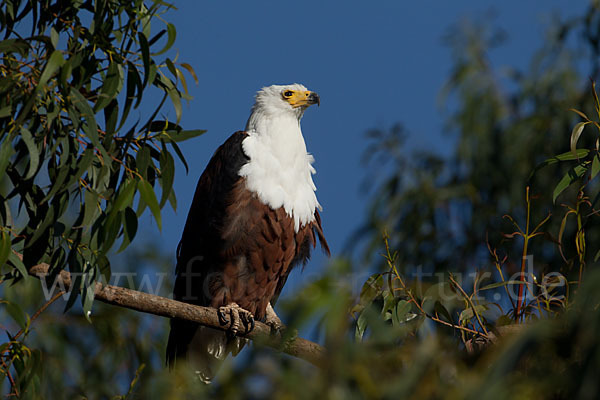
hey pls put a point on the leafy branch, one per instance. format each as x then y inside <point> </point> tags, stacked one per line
<point>71,156</point>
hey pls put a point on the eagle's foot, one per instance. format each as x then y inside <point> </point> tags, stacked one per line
<point>236,317</point>
<point>273,320</point>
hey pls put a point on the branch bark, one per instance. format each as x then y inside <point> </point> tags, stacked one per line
<point>165,307</point>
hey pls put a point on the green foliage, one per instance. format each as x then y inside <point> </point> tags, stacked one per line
<point>443,215</point>
<point>441,209</point>
<point>554,358</point>
<point>98,360</point>
<point>73,163</point>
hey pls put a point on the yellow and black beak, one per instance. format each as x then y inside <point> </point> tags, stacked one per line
<point>313,98</point>
<point>302,98</point>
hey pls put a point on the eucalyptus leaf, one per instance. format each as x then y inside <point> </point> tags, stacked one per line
<point>172,35</point>
<point>167,175</point>
<point>568,156</point>
<point>90,127</point>
<point>400,314</point>
<point>91,207</point>
<point>469,312</point>
<point>5,247</point>
<point>183,135</point>
<point>595,166</point>
<point>144,48</point>
<point>575,134</point>
<point>111,87</point>
<point>175,97</point>
<point>34,154</point>
<point>16,261</point>
<point>130,225</point>
<point>17,314</point>
<point>5,112</point>
<point>147,194</point>
<point>55,61</point>
<point>568,179</point>
<point>6,151</point>
<point>371,289</point>
<point>361,326</point>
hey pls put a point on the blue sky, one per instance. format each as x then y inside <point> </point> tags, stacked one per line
<point>373,64</point>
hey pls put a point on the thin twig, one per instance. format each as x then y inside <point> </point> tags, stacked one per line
<point>393,268</point>
<point>462,328</point>
<point>13,385</point>
<point>521,299</point>
<point>469,301</point>
<point>41,310</point>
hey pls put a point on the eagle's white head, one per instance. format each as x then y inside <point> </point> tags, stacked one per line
<point>279,101</point>
<point>280,169</point>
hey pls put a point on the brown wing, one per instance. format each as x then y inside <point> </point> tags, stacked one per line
<point>306,241</point>
<point>197,252</point>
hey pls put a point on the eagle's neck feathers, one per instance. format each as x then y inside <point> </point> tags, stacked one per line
<point>279,170</point>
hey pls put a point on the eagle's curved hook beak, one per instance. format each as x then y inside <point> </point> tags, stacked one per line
<point>314,98</point>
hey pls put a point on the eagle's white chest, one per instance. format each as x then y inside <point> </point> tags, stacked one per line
<point>280,170</point>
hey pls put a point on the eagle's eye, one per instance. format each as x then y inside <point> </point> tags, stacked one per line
<point>288,94</point>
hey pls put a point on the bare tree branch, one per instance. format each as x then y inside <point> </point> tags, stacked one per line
<point>164,307</point>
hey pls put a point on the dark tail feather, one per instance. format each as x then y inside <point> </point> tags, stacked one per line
<point>317,227</point>
<point>182,333</point>
<point>204,348</point>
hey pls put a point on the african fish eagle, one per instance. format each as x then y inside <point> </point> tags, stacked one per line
<point>254,217</point>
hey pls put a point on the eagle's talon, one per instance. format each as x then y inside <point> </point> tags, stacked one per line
<point>276,329</point>
<point>237,317</point>
<point>251,323</point>
<point>273,321</point>
<point>247,319</point>
<point>244,321</point>
<point>222,316</point>
<point>235,321</point>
